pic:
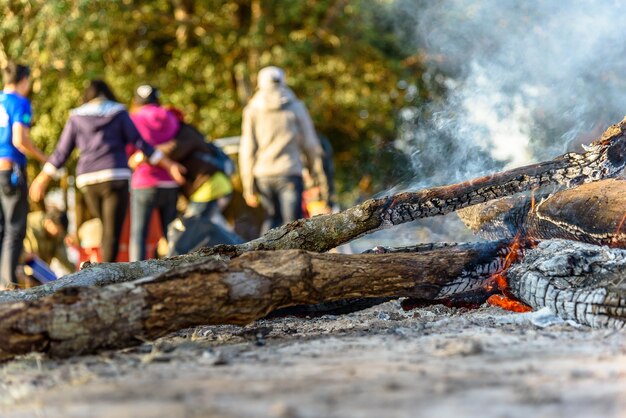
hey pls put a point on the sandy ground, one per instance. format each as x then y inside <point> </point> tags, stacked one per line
<point>380,362</point>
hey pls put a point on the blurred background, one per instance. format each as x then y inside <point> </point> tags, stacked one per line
<point>409,93</point>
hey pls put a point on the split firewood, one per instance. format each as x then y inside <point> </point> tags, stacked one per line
<point>593,213</point>
<point>577,281</point>
<point>83,320</point>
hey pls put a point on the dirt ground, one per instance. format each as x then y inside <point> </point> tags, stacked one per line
<point>380,362</point>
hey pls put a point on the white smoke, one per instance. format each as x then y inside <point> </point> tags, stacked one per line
<point>526,80</point>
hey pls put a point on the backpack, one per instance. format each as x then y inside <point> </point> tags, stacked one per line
<point>218,158</point>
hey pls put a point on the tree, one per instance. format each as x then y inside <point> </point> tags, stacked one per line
<point>342,58</point>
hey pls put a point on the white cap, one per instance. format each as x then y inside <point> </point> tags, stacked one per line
<point>270,77</point>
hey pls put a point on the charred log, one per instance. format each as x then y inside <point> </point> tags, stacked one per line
<point>83,320</point>
<point>604,158</point>
<point>581,282</point>
<point>592,213</point>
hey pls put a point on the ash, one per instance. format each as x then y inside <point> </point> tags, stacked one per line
<point>383,361</point>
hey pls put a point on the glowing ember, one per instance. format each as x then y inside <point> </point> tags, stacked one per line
<point>615,240</point>
<point>498,280</point>
<point>509,304</point>
<point>533,202</point>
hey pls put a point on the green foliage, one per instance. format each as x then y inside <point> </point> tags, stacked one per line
<point>341,57</point>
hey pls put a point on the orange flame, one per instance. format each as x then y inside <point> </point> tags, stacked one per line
<point>509,304</point>
<point>615,241</point>
<point>498,280</point>
<point>532,200</point>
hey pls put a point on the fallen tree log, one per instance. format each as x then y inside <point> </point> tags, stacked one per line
<point>593,213</point>
<point>577,281</point>
<point>103,274</point>
<point>83,320</point>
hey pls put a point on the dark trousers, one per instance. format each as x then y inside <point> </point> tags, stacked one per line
<point>108,201</point>
<point>142,203</point>
<point>281,197</point>
<point>13,213</point>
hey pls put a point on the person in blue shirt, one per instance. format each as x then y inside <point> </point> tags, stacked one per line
<point>15,144</point>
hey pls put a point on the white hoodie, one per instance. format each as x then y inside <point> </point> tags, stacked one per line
<point>277,132</point>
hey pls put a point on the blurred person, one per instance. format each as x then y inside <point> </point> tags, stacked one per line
<point>15,144</point>
<point>101,129</point>
<point>277,132</point>
<point>208,190</point>
<point>151,187</point>
<point>45,237</point>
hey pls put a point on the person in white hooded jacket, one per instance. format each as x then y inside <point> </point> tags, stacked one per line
<point>277,138</point>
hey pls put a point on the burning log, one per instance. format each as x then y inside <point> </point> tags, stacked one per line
<point>577,281</point>
<point>592,213</point>
<point>83,320</point>
<point>604,158</point>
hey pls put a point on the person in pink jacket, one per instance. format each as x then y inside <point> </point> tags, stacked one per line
<point>151,186</point>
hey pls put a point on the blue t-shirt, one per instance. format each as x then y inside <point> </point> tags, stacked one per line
<point>13,109</point>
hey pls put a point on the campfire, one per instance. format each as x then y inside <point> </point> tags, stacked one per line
<point>562,247</point>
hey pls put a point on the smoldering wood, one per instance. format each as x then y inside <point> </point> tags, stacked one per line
<point>475,276</point>
<point>80,320</point>
<point>604,158</point>
<point>577,281</point>
<point>593,213</point>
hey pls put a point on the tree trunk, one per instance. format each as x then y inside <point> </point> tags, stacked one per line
<point>577,281</point>
<point>82,320</point>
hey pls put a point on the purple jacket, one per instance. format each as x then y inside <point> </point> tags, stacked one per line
<point>101,130</point>
<point>156,125</point>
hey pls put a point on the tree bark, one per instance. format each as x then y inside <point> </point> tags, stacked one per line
<point>103,274</point>
<point>577,281</point>
<point>83,320</point>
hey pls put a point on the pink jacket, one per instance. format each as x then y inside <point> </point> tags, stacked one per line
<point>157,126</point>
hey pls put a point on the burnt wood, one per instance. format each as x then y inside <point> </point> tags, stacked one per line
<point>577,281</point>
<point>604,158</point>
<point>593,213</point>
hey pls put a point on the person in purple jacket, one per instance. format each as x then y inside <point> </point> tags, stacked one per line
<point>101,129</point>
<point>151,187</point>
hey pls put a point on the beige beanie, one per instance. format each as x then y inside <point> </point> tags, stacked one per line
<point>270,77</point>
